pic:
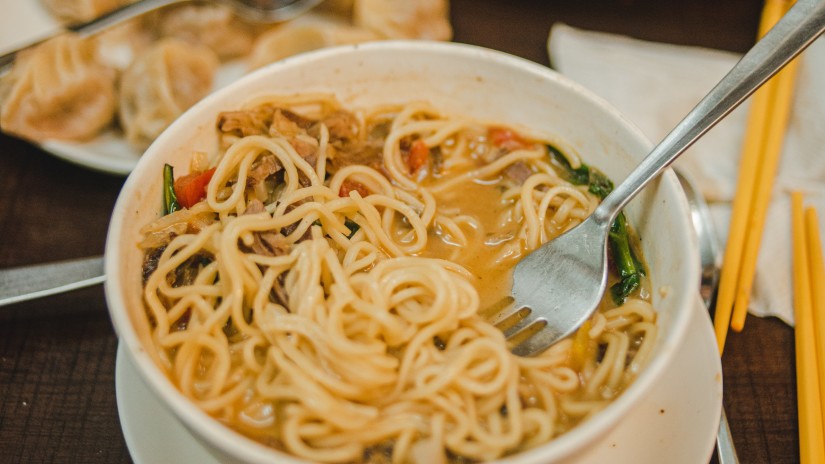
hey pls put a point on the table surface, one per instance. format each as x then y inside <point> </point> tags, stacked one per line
<point>57,355</point>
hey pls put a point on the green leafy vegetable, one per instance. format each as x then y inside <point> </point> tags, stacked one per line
<point>627,264</point>
<point>600,185</point>
<point>578,176</point>
<point>597,183</point>
<point>170,201</point>
<point>624,260</point>
<point>352,226</point>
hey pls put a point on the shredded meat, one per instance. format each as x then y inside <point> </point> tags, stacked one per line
<point>272,121</point>
<point>343,128</point>
<point>286,230</point>
<point>263,119</point>
<point>254,121</point>
<point>266,166</point>
<point>186,273</point>
<point>269,244</point>
<point>302,133</point>
<point>289,229</point>
<point>254,207</point>
<point>307,148</point>
<point>518,172</point>
<point>150,262</point>
<point>277,243</point>
<point>266,243</point>
<point>300,121</point>
<point>287,123</point>
<point>367,154</point>
<point>278,293</point>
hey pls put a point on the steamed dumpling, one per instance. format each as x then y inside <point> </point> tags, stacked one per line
<point>58,91</point>
<point>303,36</point>
<point>119,45</point>
<point>211,25</point>
<point>82,10</point>
<point>403,19</point>
<point>160,85</point>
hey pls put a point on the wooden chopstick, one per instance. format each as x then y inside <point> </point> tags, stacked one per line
<point>766,125</point>
<point>816,267</point>
<point>809,402</point>
<point>748,170</point>
<point>779,114</point>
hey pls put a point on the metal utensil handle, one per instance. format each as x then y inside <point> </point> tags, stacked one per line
<point>270,11</point>
<point>30,282</point>
<point>725,451</point>
<point>96,25</point>
<point>800,26</point>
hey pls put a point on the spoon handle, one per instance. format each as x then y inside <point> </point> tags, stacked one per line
<point>113,18</point>
<point>800,26</point>
<point>30,282</point>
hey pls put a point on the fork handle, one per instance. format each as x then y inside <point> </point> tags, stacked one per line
<point>800,26</point>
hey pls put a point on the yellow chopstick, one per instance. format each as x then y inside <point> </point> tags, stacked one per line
<point>748,165</point>
<point>780,113</point>
<point>811,447</point>
<point>747,182</point>
<point>816,265</point>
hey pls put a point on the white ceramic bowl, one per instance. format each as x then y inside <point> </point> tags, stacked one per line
<point>462,79</point>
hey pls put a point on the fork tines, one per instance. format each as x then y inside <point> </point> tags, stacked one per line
<point>526,332</point>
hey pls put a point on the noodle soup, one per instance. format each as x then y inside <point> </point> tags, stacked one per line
<point>320,285</point>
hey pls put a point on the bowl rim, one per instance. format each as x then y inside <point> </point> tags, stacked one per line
<point>224,439</point>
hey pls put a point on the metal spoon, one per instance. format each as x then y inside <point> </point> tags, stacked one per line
<point>259,11</point>
<point>559,285</point>
<point>30,282</point>
<point>710,263</point>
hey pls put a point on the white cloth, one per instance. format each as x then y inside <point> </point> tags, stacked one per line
<point>655,85</point>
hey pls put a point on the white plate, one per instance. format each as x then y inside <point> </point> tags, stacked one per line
<point>28,21</point>
<point>677,423</point>
<point>23,23</point>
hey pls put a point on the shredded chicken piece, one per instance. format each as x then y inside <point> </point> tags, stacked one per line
<point>254,207</point>
<point>272,121</point>
<point>266,166</point>
<point>343,128</point>
<point>266,243</point>
<point>287,124</point>
<point>262,120</point>
<point>254,121</point>
<point>518,172</point>
<point>270,244</point>
<point>367,154</point>
<point>307,147</point>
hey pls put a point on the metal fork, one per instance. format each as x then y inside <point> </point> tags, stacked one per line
<point>559,285</point>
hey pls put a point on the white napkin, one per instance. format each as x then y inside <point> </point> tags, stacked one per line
<point>655,85</point>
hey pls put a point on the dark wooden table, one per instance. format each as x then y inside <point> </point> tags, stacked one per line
<point>57,355</point>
